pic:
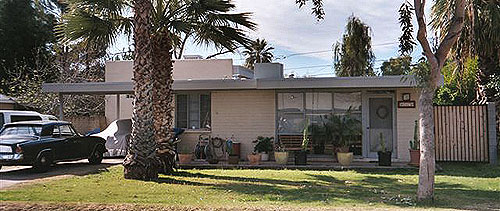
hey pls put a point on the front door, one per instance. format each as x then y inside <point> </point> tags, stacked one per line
<point>380,125</point>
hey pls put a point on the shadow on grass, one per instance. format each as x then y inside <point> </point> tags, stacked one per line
<point>460,169</point>
<point>326,189</point>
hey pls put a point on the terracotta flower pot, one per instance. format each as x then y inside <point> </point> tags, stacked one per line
<point>185,158</point>
<point>254,159</point>
<point>414,157</point>
<point>281,157</point>
<point>345,158</point>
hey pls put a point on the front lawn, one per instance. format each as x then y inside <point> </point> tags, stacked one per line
<point>457,186</point>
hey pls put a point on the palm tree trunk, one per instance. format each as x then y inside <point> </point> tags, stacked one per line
<point>487,67</point>
<point>140,162</point>
<point>163,101</point>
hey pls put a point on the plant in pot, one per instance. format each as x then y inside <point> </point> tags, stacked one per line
<point>344,128</point>
<point>415,147</point>
<point>232,158</point>
<point>318,138</point>
<point>254,158</point>
<point>384,155</point>
<point>301,156</point>
<point>185,155</point>
<point>264,146</point>
<point>280,155</point>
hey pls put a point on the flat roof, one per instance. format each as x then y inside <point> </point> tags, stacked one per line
<point>240,84</point>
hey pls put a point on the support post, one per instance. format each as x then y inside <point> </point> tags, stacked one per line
<point>61,103</point>
<point>118,106</point>
<point>492,133</point>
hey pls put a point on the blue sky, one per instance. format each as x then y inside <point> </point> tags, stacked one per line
<point>294,31</point>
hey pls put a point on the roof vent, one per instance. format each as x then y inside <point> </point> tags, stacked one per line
<point>192,57</point>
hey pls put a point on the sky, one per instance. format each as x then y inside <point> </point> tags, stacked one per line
<point>291,30</point>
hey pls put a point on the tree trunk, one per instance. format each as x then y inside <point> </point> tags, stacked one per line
<point>436,60</point>
<point>427,157</point>
<point>140,162</point>
<point>163,101</point>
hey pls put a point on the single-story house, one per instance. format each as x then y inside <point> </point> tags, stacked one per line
<point>214,97</point>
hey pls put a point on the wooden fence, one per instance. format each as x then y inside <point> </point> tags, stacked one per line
<point>461,133</point>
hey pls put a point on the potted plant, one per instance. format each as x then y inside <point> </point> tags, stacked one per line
<point>232,158</point>
<point>344,128</point>
<point>280,155</point>
<point>263,146</point>
<point>254,158</point>
<point>301,156</point>
<point>318,138</point>
<point>185,155</point>
<point>384,155</point>
<point>415,147</point>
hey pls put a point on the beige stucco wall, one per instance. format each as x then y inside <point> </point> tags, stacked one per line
<point>244,114</point>
<point>405,124</point>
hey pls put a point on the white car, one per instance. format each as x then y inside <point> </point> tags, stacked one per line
<point>11,116</point>
<point>117,136</point>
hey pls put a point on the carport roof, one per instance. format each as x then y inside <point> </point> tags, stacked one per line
<point>240,84</point>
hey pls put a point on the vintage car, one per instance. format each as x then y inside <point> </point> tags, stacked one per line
<point>42,143</point>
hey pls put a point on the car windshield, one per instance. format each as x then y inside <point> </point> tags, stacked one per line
<point>22,130</point>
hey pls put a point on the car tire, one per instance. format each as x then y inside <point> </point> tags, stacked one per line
<point>42,163</point>
<point>96,157</point>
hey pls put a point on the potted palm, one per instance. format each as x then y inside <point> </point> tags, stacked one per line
<point>318,138</point>
<point>185,155</point>
<point>280,155</point>
<point>263,146</point>
<point>415,147</point>
<point>384,155</point>
<point>344,128</point>
<point>301,156</point>
<point>232,157</point>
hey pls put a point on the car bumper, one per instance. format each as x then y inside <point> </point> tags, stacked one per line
<point>11,159</point>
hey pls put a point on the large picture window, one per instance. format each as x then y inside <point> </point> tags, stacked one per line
<point>296,109</point>
<point>192,110</point>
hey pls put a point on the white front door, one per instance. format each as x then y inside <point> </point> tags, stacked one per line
<point>379,125</point>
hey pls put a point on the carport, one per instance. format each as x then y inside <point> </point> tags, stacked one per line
<point>96,88</point>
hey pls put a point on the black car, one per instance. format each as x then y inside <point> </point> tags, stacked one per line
<point>42,143</point>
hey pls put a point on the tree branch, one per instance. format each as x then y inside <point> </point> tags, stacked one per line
<point>422,31</point>
<point>453,34</point>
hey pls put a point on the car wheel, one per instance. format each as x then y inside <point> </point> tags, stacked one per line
<point>42,163</point>
<point>96,157</point>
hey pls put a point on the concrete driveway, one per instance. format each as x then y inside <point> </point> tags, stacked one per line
<point>14,175</point>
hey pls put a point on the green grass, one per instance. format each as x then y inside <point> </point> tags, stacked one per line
<point>457,186</point>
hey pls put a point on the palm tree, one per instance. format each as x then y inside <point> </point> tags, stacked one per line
<point>207,21</point>
<point>480,38</point>
<point>258,52</point>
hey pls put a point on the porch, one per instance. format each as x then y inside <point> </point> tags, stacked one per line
<point>314,162</point>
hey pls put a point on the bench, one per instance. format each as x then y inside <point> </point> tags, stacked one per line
<point>293,142</point>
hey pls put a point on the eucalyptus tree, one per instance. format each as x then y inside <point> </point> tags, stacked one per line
<point>168,23</point>
<point>354,55</point>
<point>258,52</point>
<point>429,81</point>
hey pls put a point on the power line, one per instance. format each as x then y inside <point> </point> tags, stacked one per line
<point>282,57</point>
<point>305,67</point>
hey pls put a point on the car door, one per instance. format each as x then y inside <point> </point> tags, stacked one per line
<point>58,144</point>
<point>73,144</point>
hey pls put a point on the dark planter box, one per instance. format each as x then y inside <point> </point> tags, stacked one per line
<point>384,158</point>
<point>233,159</point>
<point>301,158</point>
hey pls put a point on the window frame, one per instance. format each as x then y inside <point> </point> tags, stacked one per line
<point>189,112</point>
